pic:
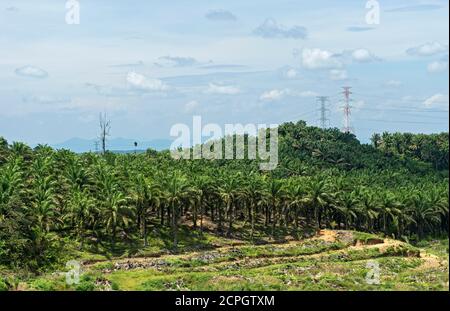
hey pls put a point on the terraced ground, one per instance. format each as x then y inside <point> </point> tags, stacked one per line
<point>332,260</point>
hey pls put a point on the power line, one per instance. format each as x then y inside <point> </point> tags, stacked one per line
<point>404,109</point>
<point>394,121</point>
<point>391,98</point>
<point>416,115</point>
<point>411,100</point>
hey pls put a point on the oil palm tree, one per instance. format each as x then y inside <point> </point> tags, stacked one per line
<point>317,197</point>
<point>177,192</point>
<point>147,195</point>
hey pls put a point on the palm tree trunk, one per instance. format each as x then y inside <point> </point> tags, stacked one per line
<point>230,218</point>
<point>145,231</point>
<point>174,227</point>
<point>201,214</point>
<point>252,220</point>
<point>194,216</point>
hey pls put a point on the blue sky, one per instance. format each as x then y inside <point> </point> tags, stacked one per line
<point>151,64</point>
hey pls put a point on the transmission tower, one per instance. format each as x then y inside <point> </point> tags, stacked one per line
<point>347,109</point>
<point>323,111</point>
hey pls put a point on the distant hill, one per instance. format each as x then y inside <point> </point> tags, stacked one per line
<point>121,145</point>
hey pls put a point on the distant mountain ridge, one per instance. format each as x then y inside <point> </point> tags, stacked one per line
<point>79,145</point>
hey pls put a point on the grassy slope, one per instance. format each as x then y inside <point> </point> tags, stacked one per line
<point>334,260</point>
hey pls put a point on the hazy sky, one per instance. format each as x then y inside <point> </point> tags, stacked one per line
<point>151,64</point>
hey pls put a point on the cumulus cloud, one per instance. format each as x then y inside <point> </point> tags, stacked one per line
<point>363,56</point>
<point>438,66</point>
<point>427,49</point>
<point>289,73</point>
<point>175,61</point>
<point>319,59</point>
<point>322,59</point>
<point>271,29</point>
<point>140,82</point>
<point>222,89</point>
<point>276,94</point>
<point>338,74</point>
<point>437,100</point>
<point>32,72</point>
<point>220,15</point>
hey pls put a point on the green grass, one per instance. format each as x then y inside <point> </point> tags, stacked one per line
<point>436,247</point>
<point>224,264</point>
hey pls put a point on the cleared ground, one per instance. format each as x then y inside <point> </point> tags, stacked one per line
<point>331,260</point>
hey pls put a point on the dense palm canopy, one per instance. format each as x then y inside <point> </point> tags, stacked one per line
<point>324,179</point>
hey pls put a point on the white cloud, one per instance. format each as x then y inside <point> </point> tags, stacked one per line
<point>322,59</point>
<point>271,29</point>
<point>437,100</point>
<point>176,61</point>
<point>338,74</point>
<point>363,56</point>
<point>222,89</point>
<point>276,94</point>
<point>438,66</point>
<point>427,49</point>
<point>32,72</point>
<point>319,59</point>
<point>142,83</point>
<point>192,105</point>
<point>291,73</point>
<point>220,15</point>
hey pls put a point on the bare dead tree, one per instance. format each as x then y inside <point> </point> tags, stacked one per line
<point>105,127</point>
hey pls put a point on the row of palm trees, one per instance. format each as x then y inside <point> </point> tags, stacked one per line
<point>117,197</point>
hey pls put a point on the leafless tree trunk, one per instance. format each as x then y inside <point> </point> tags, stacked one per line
<point>105,126</point>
